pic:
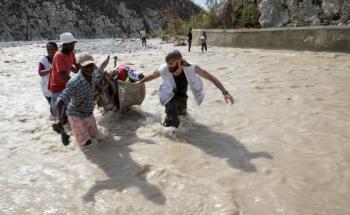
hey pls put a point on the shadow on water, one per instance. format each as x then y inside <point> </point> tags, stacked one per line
<point>112,155</point>
<point>220,145</point>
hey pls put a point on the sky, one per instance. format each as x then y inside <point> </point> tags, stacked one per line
<point>199,2</point>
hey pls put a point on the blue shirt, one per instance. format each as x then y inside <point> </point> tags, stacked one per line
<point>79,96</point>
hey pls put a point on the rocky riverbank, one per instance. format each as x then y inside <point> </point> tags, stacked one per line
<point>43,19</point>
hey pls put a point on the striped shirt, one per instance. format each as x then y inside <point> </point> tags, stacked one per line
<point>79,96</point>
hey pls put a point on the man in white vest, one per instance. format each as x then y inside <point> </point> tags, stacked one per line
<point>177,74</point>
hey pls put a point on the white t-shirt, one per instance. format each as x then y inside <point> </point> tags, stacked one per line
<point>166,90</point>
<point>44,80</point>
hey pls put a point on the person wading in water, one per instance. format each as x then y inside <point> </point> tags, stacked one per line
<point>44,70</point>
<point>177,74</point>
<point>63,64</point>
<point>78,97</point>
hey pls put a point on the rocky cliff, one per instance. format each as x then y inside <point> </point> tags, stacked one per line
<point>281,13</point>
<point>44,19</point>
<point>278,13</point>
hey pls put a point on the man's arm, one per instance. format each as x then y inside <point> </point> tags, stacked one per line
<point>154,75</point>
<point>75,68</point>
<point>42,70</point>
<point>64,99</point>
<point>64,75</point>
<point>204,74</point>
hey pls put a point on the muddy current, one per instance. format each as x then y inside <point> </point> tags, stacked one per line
<point>283,148</point>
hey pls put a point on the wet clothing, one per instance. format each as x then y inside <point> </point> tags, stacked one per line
<point>79,96</point>
<point>83,129</point>
<point>166,90</point>
<point>44,64</point>
<point>61,62</point>
<point>173,92</point>
<point>54,97</point>
<point>178,104</point>
<point>181,84</point>
<point>48,99</point>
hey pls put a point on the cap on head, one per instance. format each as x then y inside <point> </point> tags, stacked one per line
<point>67,38</point>
<point>173,55</point>
<point>85,59</point>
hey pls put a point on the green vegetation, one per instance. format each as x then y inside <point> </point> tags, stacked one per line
<point>245,14</point>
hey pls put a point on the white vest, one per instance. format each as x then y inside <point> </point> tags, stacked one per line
<point>166,90</point>
<point>44,82</point>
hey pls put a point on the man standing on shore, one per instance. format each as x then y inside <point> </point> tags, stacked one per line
<point>189,37</point>
<point>63,63</point>
<point>177,74</point>
<point>203,40</point>
<point>143,36</point>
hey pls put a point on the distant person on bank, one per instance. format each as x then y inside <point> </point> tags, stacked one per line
<point>143,36</point>
<point>63,64</point>
<point>44,69</point>
<point>189,39</point>
<point>203,41</point>
<point>177,74</point>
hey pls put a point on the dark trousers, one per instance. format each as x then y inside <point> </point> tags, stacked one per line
<point>49,101</point>
<point>204,47</point>
<point>176,107</point>
<point>189,45</point>
<point>144,41</point>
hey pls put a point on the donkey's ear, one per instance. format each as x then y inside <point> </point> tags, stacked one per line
<point>104,64</point>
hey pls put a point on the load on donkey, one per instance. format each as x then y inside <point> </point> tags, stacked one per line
<point>114,89</point>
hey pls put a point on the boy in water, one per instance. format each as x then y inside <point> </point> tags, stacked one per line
<point>45,68</point>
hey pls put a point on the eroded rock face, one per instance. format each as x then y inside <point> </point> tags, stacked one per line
<point>345,12</point>
<point>272,14</point>
<point>278,13</point>
<point>304,12</point>
<point>43,19</point>
<point>331,7</point>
